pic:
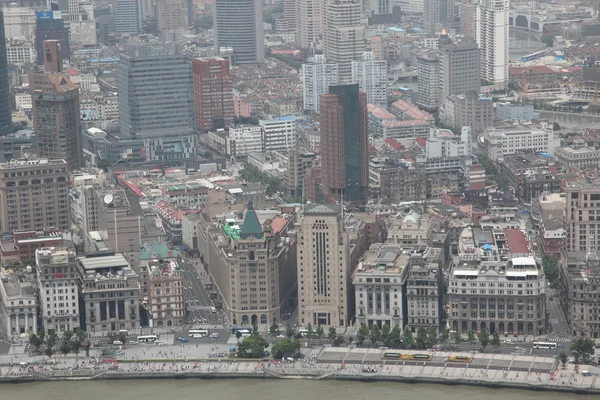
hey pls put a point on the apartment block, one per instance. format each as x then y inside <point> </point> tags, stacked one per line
<point>213,96</point>
<point>371,76</point>
<point>279,134</point>
<point>582,210</point>
<point>316,78</point>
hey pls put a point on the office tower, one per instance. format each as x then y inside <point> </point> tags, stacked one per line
<point>377,7</point>
<point>309,22</point>
<point>466,16</point>
<point>344,36</point>
<point>238,25</point>
<point>324,268</point>
<point>316,77</point>
<point>172,18</point>
<point>459,66</point>
<point>57,267</point>
<point>344,143</point>
<point>428,70</point>
<point>42,202</point>
<point>128,17</point>
<point>491,33</point>
<point>371,76</point>
<point>5,111</point>
<point>55,105</point>
<point>19,22</point>
<point>51,26</point>
<point>583,203</point>
<point>437,14</point>
<point>213,96</point>
<point>155,92</point>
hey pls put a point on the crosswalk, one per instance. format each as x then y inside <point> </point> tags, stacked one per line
<point>208,326</point>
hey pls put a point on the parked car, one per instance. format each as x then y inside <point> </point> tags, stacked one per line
<point>214,335</point>
<point>182,339</point>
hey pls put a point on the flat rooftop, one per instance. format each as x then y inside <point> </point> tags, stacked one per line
<point>106,261</point>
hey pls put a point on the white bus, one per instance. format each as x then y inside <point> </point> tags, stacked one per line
<point>147,339</point>
<point>545,345</point>
<point>198,333</point>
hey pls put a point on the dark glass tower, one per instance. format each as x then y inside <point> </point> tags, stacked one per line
<point>5,111</point>
<point>344,143</point>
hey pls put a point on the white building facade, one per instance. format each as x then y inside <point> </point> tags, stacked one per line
<point>371,76</point>
<point>316,77</point>
<point>491,33</point>
<point>501,141</point>
<point>279,134</point>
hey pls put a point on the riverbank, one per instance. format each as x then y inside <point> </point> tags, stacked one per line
<point>564,381</point>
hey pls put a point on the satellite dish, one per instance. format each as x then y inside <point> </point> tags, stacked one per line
<point>108,198</point>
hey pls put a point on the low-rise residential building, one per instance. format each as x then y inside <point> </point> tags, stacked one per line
<point>579,155</point>
<point>58,283</point>
<point>18,302</point>
<point>500,141</point>
<point>508,297</point>
<point>378,285</point>
<point>110,292</point>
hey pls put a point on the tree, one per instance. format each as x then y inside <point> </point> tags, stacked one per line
<point>254,329</point>
<point>122,337</point>
<point>432,337</point>
<point>563,358</point>
<point>285,348</point>
<point>50,342</point>
<point>394,339</point>
<point>67,335</point>
<point>444,336</point>
<point>495,341</point>
<point>87,348</point>
<point>362,335</point>
<point>36,341</point>
<point>319,331</point>
<point>238,335</point>
<point>252,346</point>
<point>204,22</point>
<point>582,349</point>
<point>332,334</point>
<point>456,337</point>
<point>551,270</point>
<point>422,338</point>
<point>65,347</point>
<point>350,340</point>
<point>407,338</point>
<point>470,336</point>
<point>339,340</point>
<point>375,334</point>
<point>76,345</point>
<point>547,40</point>
<point>309,332</point>
<point>274,329</point>
<point>484,338</point>
<point>385,333</point>
<point>289,331</point>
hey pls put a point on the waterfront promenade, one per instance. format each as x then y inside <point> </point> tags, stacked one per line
<point>494,370</point>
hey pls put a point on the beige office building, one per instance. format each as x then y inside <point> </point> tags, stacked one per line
<point>309,22</point>
<point>582,215</point>
<point>324,268</point>
<point>34,194</point>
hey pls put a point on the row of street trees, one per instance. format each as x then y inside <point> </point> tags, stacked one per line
<point>71,341</point>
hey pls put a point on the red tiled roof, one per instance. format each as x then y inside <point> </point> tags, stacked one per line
<point>516,241</point>
<point>421,141</point>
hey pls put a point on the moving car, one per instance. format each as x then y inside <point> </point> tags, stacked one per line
<point>183,340</point>
<point>214,335</point>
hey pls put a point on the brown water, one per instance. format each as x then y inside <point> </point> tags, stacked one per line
<point>255,389</point>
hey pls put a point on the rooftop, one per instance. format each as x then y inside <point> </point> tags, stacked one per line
<point>156,250</point>
<point>317,209</point>
<point>104,261</point>
<point>384,258</point>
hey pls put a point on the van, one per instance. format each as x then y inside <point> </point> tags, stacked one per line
<point>117,343</point>
<point>586,373</point>
<point>213,310</point>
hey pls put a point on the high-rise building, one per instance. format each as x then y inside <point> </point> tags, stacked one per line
<point>324,280</point>
<point>371,76</point>
<point>213,95</point>
<point>466,16</point>
<point>344,143</point>
<point>309,22</point>
<point>155,92</point>
<point>50,26</point>
<point>56,114</point>
<point>34,194</point>
<point>238,25</point>
<point>428,85</point>
<point>172,18</point>
<point>316,77</point>
<point>459,66</point>
<point>5,111</point>
<point>19,22</point>
<point>279,134</point>
<point>583,202</point>
<point>128,17</point>
<point>437,14</point>
<point>491,33</point>
<point>57,267</point>
<point>343,36</point>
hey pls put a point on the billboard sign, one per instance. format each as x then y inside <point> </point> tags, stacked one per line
<point>41,15</point>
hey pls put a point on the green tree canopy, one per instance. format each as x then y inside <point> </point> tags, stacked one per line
<point>484,338</point>
<point>407,338</point>
<point>362,335</point>
<point>495,341</point>
<point>285,348</point>
<point>252,347</point>
<point>582,349</point>
<point>551,270</point>
<point>274,329</point>
<point>375,335</point>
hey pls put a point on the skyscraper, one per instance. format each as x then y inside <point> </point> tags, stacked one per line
<point>172,18</point>
<point>459,66</point>
<point>49,25</point>
<point>491,30</point>
<point>324,268</point>
<point>5,112</point>
<point>344,143</point>
<point>371,76</point>
<point>344,36</point>
<point>128,17</point>
<point>309,22</point>
<point>155,92</point>
<point>316,77</point>
<point>428,70</point>
<point>238,24</point>
<point>213,96</point>
<point>437,14</point>
<point>55,104</point>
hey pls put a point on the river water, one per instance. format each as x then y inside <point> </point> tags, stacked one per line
<point>268,389</point>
